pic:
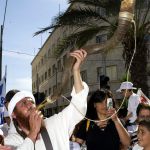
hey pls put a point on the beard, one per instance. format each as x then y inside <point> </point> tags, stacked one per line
<point>22,121</point>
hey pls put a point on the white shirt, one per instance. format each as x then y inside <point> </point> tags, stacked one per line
<point>137,147</point>
<point>133,103</point>
<point>59,127</point>
<point>74,146</point>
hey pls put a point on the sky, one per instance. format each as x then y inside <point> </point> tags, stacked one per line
<point>23,19</point>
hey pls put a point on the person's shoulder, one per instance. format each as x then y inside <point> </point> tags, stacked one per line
<point>137,147</point>
<point>134,96</point>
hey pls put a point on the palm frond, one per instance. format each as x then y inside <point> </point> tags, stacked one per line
<point>79,17</point>
<point>98,3</point>
<point>78,39</point>
<point>51,27</point>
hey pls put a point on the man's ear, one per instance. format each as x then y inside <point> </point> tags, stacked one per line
<point>13,115</point>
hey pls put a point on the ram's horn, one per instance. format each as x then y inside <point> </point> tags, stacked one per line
<point>125,20</point>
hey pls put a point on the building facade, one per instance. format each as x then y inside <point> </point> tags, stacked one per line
<point>47,69</point>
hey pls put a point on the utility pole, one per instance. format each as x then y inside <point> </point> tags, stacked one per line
<point>1,40</point>
<point>1,48</point>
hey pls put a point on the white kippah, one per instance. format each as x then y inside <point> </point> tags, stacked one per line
<point>16,98</point>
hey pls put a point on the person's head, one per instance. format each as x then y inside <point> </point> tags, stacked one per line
<point>97,104</point>
<point>20,106</point>
<point>9,96</point>
<point>144,134</point>
<point>143,111</point>
<point>126,88</point>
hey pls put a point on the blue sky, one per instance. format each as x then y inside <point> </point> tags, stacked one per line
<point>23,19</point>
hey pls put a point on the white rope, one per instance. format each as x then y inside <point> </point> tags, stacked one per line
<point>128,72</point>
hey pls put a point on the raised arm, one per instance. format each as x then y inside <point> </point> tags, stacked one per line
<point>80,56</point>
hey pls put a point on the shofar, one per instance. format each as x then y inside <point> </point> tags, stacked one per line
<point>125,19</point>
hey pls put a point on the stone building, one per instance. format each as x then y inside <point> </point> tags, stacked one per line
<point>47,69</point>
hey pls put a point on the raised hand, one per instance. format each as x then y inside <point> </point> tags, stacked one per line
<point>35,122</point>
<point>80,55</point>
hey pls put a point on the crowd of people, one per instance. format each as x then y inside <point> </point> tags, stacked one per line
<point>102,128</point>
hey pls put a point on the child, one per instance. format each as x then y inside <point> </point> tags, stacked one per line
<point>144,134</point>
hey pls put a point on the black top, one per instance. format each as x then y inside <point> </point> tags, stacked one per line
<point>98,139</point>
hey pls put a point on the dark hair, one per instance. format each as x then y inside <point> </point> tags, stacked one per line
<point>10,94</point>
<point>142,106</point>
<point>145,123</point>
<point>96,97</point>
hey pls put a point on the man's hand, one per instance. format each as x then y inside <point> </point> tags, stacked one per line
<point>112,112</point>
<point>80,55</point>
<point>35,121</point>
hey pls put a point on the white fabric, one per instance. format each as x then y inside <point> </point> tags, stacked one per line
<point>74,146</point>
<point>12,128</point>
<point>133,103</point>
<point>126,85</point>
<point>1,132</point>
<point>59,127</point>
<point>5,112</point>
<point>137,147</point>
<point>16,98</point>
<point>5,129</point>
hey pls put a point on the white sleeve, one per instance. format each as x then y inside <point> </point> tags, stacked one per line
<point>133,103</point>
<point>70,116</point>
<point>18,143</point>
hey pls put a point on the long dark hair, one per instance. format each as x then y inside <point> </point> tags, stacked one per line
<point>97,96</point>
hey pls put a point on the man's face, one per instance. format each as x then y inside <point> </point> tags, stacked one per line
<point>144,114</point>
<point>23,109</point>
<point>126,93</point>
<point>143,136</point>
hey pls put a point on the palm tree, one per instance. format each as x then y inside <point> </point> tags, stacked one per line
<point>87,22</point>
<point>138,69</point>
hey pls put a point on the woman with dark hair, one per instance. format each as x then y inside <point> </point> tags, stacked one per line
<point>105,134</point>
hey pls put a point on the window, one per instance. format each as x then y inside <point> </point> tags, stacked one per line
<point>49,91</point>
<point>101,38</point>
<point>59,65</point>
<point>54,69</point>
<point>111,72</point>
<point>39,81</point>
<point>42,61</point>
<point>49,72</point>
<point>42,78</point>
<point>100,71</point>
<point>72,81</point>
<point>49,52</point>
<point>45,92</point>
<point>45,75</point>
<point>84,75</point>
<point>45,58</point>
<point>54,88</point>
